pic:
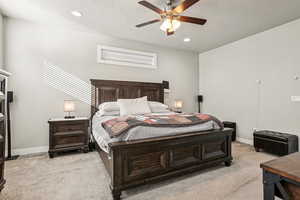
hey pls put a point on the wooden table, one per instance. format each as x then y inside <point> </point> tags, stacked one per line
<point>281,177</point>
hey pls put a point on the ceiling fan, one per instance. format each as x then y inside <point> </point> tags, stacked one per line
<point>171,17</point>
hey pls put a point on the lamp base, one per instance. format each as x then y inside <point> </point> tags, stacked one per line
<point>69,117</point>
<point>176,110</point>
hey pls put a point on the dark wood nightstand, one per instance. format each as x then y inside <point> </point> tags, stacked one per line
<point>68,134</point>
<point>233,126</point>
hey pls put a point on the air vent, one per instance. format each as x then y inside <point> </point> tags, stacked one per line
<point>120,56</point>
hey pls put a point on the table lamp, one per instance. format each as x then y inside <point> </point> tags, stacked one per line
<point>69,106</point>
<point>178,105</point>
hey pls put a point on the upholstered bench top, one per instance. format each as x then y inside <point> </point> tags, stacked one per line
<point>274,135</point>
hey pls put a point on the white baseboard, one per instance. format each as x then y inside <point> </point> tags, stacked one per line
<point>243,140</point>
<point>32,150</point>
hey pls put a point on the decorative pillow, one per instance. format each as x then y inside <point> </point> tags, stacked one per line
<point>134,106</point>
<point>109,106</point>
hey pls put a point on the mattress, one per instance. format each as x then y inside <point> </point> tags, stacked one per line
<point>142,132</point>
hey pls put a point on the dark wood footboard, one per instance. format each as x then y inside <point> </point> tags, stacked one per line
<point>139,162</point>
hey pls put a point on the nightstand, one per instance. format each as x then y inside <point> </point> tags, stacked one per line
<point>233,126</point>
<point>68,134</point>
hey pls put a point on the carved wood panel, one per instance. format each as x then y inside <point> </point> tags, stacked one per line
<point>130,93</point>
<point>144,164</point>
<point>214,150</point>
<point>185,155</point>
<point>152,94</point>
<point>106,94</point>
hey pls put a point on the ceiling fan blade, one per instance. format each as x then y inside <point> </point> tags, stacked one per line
<point>151,6</point>
<point>169,32</point>
<point>185,5</point>
<point>147,23</point>
<point>193,20</point>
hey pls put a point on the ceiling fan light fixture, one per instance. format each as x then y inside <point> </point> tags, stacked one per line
<point>76,13</point>
<point>171,15</point>
<point>187,39</point>
<point>170,24</point>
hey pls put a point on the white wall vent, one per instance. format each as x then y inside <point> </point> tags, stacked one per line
<point>120,56</point>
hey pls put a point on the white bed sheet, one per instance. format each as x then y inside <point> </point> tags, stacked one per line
<point>142,132</point>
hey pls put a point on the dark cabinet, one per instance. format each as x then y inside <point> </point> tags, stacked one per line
<point>233,126</point>
<point>3,85</point>
<point>2,153</point>
<point>68,134</point>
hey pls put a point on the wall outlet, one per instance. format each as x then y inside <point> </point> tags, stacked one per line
<point>295,98</point>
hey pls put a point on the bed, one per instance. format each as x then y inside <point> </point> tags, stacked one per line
<point>141,161</point>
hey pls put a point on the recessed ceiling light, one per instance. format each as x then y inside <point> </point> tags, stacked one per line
<point>187,39</point>
<point>76,13</point>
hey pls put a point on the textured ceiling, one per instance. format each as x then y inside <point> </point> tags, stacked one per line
<point>228,20</point>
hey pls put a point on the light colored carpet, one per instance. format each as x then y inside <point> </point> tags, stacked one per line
<point>83,177</point>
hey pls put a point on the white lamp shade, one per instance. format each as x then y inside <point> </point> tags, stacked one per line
<point>69,106</point>
<point>171,24</point>
<point>178,104</point>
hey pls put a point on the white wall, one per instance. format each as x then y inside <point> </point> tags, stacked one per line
<point>229,74</point>
<point>27,45</point>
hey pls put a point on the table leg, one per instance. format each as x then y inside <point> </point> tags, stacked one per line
<point>269,180</point>
<point>269,191</point>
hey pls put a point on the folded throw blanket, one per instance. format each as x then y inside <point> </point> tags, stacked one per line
<point>120,125</point>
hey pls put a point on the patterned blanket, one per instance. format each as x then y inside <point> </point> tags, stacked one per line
<point>120,125</point>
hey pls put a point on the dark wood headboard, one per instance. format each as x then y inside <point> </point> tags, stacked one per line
<point>110,90</point>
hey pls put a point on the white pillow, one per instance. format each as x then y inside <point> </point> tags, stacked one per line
<point>157,107</point>
<point>101,113</point>
<point>155,104</point>
<point>109,106</point>
<point>160,110</point>
<point>134,106</point>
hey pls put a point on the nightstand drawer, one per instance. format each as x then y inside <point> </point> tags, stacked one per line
<point>63,141</point>
<point>69,127</point>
